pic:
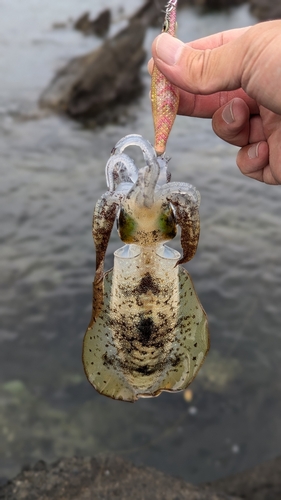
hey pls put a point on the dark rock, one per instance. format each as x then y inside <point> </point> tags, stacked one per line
<point>88,85</point>
<point>266,10</point>
<point>101,24</point>
<point>40,465</point>
<point>151,13</point>
<point>98,26</point>
<point>262,482</point>
<point>102,479</point>
<point>215,5</point>
<point>82,23</point>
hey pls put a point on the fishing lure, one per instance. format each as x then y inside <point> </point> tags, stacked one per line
<point>164,95</point>
<point>148,332</point>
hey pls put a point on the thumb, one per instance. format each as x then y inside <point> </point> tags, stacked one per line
<point>199,71</point>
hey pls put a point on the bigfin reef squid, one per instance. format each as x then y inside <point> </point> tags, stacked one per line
<point>148,332</point>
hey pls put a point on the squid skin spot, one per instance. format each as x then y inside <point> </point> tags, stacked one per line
<point>145,329</point>
<point>145,370</point>
<point>194,358</point>
<point>92,362</point>
<point>98,373</point>
<point>147,283</point>
<point>195,345</point>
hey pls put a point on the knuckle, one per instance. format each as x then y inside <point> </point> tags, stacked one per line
<point>199,70</point>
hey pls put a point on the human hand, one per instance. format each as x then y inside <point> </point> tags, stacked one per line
<point>233,77</point>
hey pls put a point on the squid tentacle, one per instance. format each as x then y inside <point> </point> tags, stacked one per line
<point>142,192</point>
<point>144,187</point>
<point>135,140</point>
<point>181,188</point>
<point>116,174</point>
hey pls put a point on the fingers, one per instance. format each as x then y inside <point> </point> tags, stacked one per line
<point>232,77</point>
<point>261,160</point>
<point>218,39</point>
<point>253,161</point>
<point>204,106</point>
<point>200,71</point>
<point>233,124</point>
<point>150,65</point>
<point>211,41</point>
<point>225,62</point>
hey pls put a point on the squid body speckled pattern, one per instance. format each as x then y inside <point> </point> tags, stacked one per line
<point>148,332</point>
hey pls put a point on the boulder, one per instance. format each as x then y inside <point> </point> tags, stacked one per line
<point>266,10</point>
<point>89,84</point>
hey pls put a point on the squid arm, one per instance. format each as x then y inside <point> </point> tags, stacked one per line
<point>185,200</point>
<point>104,217</point>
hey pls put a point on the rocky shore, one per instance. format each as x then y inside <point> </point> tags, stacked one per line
<point>108,478</point>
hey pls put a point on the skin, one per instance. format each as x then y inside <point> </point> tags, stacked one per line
<point>234,78</point>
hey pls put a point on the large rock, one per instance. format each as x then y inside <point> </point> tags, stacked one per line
<point>266,10</point>
<point>89,84</point>
<point>101,479</point>
<point>98,26</point>
<point>263,482</point>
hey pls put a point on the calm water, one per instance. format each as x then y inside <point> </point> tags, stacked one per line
<point>52,172</point>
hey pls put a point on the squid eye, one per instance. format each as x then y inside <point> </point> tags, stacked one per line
<point>165,26</point>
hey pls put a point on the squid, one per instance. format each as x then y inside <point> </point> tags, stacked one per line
<point>148,331</point>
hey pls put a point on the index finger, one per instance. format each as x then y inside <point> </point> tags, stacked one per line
<point>204,106</point>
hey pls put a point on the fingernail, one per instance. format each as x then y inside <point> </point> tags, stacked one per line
<point>227,114</point>
<point>168,48</point>
<point>150,66</point>
<point>253,151</point>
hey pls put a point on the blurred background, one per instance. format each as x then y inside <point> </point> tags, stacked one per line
<point>52,173</point>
